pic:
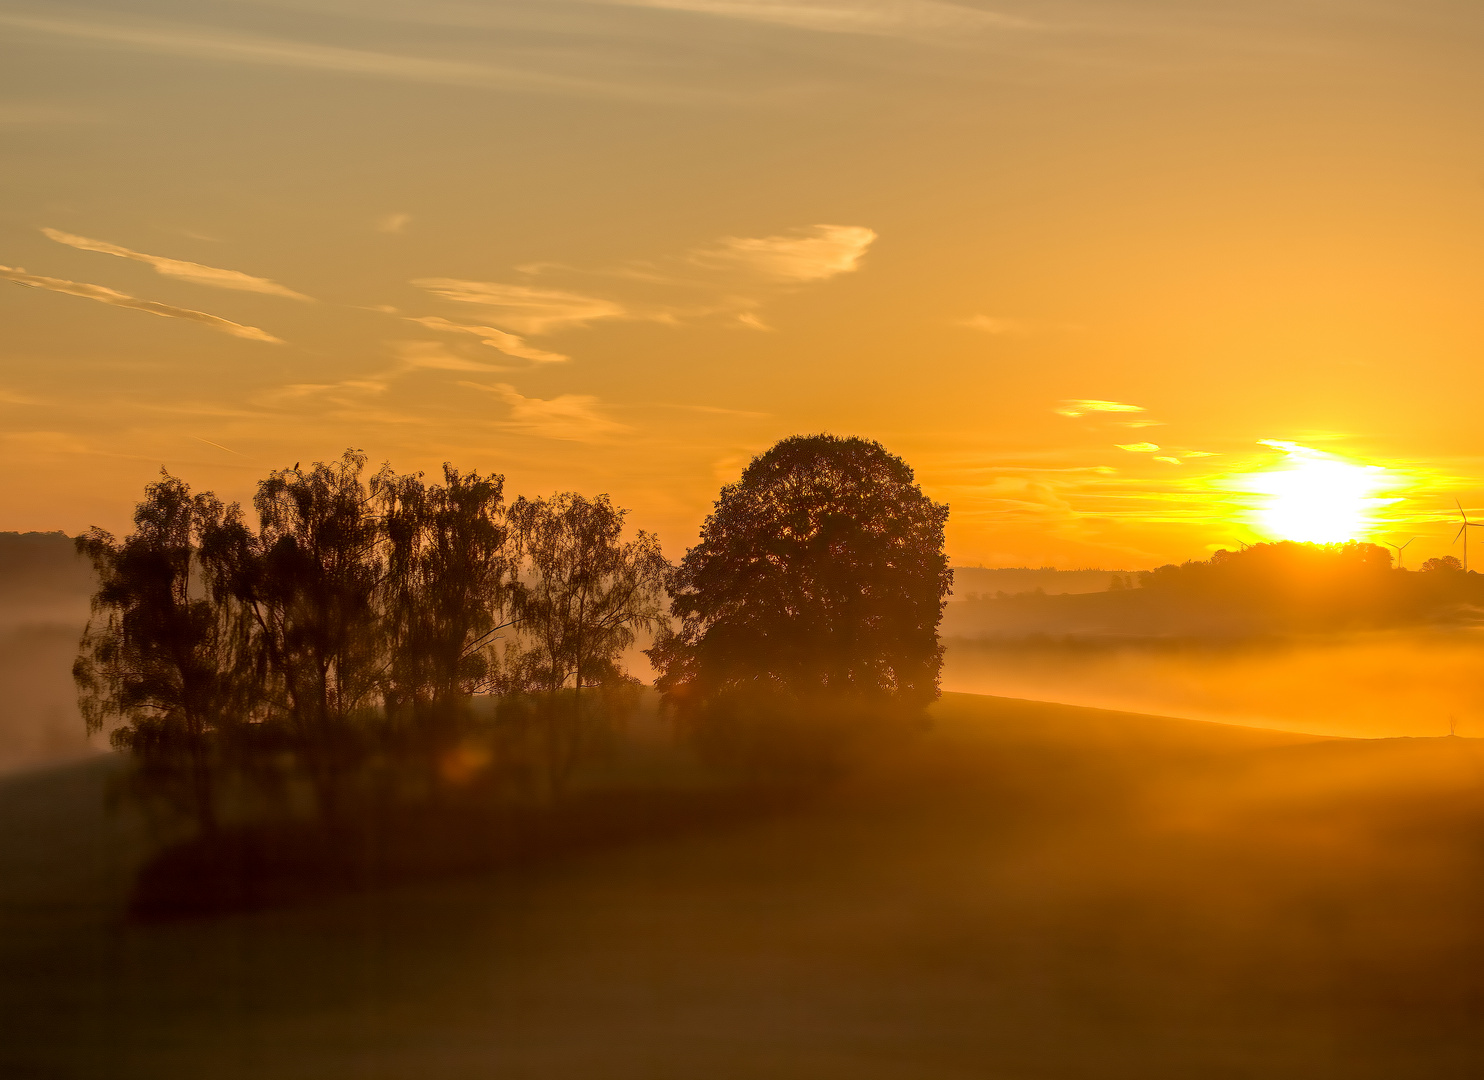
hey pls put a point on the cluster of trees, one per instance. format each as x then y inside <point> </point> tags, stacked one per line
<point>349,627</point>
<point>339,638</point>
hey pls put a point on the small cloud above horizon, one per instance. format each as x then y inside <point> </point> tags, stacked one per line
<point>196,273</point>
<point>393,223</point>
<point>991,324</point>
<point>1139,447</point>
<point>566,417</point>
<point>815,253</point>
<point>527,308</point>
<point>1075,407</point>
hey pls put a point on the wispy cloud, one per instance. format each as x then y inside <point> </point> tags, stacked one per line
<point>1075,407</point>
<point>234,47</point>
<point>105,295</point>
<point>509,344</point>
<point>706,410</point>
<point>527,308</point>
<point>1138,447</point>
<point>293,392</point>
<point>393,223</point>
<point>815,253</point>
<point>195,273</point>
<point>726,280</point>
<point>567,417</point>
<point>876,17</point>
<point>431,356</point>
<point>411,357</point>
<point>992,324</point>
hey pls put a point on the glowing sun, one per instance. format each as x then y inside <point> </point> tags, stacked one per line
<point>1317,497</point>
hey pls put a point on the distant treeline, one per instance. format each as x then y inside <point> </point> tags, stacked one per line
<point>42,568</point>
<point>1283,587</point>
<point>980,582</point>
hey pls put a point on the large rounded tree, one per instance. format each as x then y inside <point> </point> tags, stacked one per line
<point>819,575</point>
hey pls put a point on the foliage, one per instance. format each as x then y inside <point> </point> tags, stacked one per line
<point>160,656</point>
<point>337,642</point>
<point>311,577</point>
<point>450,584</point>
<point>586,594</point>
<point>820,577</point>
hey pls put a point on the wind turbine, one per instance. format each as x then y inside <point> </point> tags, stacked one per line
<point>1399,548</point>
<point>1463,531</point>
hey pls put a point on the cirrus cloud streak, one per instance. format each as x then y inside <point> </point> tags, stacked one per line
<point>196,273</point>
<point>104,295</point>
<point>509,344</point>
<point>530,309</point>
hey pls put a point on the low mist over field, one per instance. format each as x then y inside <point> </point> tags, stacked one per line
<point>1279,636</point>
<point>1023,890</point>
<point>1382,684</point>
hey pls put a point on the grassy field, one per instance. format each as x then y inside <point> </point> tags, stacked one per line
<point>1024,890</point>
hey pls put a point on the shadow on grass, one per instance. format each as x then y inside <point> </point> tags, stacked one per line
<point>264,865</point>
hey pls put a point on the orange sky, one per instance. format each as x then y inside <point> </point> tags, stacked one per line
<point>623,245</point>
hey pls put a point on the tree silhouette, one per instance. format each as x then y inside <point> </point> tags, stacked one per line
<point>451,572</point>
<point>164,652</point>
<point>820,575</point>
<point>586,594</point>
<point>311,577</point>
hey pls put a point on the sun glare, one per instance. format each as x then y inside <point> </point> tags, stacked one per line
<point>1317,497</point>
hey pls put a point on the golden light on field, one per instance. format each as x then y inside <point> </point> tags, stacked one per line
<point>1317,497</point>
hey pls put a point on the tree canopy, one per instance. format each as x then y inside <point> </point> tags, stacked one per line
<point>821,573</point>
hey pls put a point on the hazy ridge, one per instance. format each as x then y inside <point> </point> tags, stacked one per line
<point>45,588</point>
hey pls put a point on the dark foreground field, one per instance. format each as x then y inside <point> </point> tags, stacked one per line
<point>1024,891</point>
